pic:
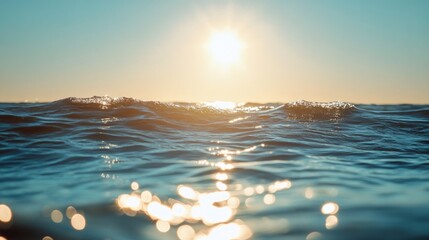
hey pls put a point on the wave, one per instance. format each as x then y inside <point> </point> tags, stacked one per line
<point>174,114</point>
<point>318,110</point>
<point>103,102</point>
<point>87,151</point>
<point>298,108</point>
<point>9,118</point>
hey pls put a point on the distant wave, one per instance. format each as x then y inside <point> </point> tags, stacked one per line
<point>297,109</point>
<point>318,110</point>
<point>80,108</point>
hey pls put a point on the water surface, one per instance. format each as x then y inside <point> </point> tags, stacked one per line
<point>105,168</point>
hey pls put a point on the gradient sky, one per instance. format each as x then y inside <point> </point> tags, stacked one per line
<point>367,51</point>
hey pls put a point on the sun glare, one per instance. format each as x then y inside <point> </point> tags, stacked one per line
<point>225,47</point>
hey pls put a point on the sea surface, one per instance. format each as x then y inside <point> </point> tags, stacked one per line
<point>121,168</point>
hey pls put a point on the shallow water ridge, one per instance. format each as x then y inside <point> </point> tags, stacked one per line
<point>120,168</point>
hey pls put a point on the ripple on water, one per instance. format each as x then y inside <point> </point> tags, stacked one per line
<point>153,170</point>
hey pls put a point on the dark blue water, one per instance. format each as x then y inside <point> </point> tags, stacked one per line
<point>103,168</point>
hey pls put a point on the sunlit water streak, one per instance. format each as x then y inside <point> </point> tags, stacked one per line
<point>104,168</point>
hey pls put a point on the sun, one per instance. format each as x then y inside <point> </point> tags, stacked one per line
<point>225,47</point>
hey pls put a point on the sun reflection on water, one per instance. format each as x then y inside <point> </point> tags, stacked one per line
<point>135,186</point>
<point>330,209</point>
<point>313,236</point>
<point>238,119</point>
<point>216,209</point>
<point>70,211</point>
<point>185,232</point>
<point>78,221</point>
<point>220,105</point>
<point>228,153</point>
<point>213,213</point>
<point>5,213</point>
<point>269,199</point>
<point>56,216</point>
<point>331,222</point>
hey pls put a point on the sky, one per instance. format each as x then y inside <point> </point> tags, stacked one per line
<point>329,50</point>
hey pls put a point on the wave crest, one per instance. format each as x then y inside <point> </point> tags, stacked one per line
<point>306,110</point>
<point>103,102</point>
<point>337,105</point>
<point>202,112</point>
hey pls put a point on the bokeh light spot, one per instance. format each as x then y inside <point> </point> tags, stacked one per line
<point>56,216</point>
<point>78,221</point>
<point>5,213</point>
<point>329,208</point>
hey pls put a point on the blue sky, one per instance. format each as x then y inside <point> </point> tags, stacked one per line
<point>357,51</point>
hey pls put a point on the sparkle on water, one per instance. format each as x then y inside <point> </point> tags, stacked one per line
<point>5,213</point>
<point>216,209</point>
<point>226,205</point>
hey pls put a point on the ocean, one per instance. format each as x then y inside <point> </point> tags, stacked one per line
<point>120,168</point>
